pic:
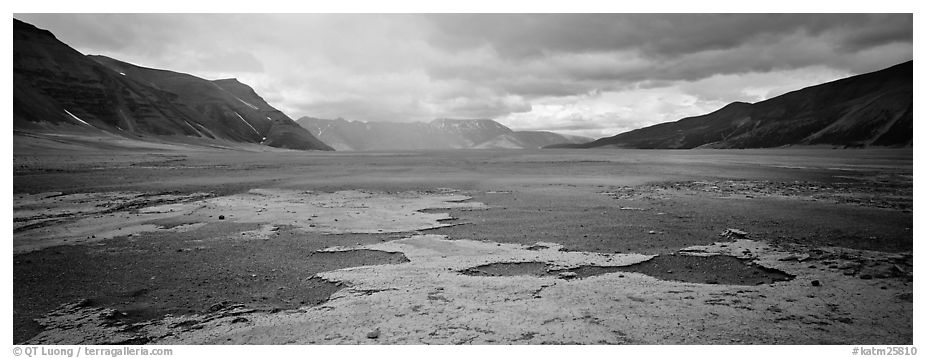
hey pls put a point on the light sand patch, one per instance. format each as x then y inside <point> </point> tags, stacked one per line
<point>350,211</point>
<point>265,232</point>
<point>31,210</point>
<point>51,219</point>
<point>427,300</point>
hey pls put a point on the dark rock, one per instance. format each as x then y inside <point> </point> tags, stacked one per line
<point>815,283</point>
<point>374,334</point>
<point>218,306</point>
<point>221,217</point>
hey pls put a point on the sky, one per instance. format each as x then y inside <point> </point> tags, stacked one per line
<point>594,75</point>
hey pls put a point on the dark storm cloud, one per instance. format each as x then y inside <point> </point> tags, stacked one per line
<point>880,29</point>
<point>664,39</point>
<point>658,35</point>
<point>116,32</point>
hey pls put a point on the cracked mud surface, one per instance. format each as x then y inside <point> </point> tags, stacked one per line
<point>372,248</point>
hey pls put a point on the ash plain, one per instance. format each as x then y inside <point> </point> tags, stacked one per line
<point>186,245</point>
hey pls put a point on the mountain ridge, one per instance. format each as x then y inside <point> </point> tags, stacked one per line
<point>441,133</point>
<point>57,88</point>
<point>871,109</point>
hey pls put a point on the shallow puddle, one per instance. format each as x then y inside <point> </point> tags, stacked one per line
<point>715,269</point>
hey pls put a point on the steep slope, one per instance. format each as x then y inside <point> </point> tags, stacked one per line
<point>56,88</point>
<point>869,109</point>
<point>436,135</point>
<point>232,106</point>
<point>54,85</point>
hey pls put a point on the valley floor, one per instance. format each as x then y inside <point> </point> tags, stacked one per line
<point>163,245</point>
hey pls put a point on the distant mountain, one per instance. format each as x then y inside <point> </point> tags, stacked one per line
<point>472,131</point>
<point>56,88</point>
<point>438,134</point>
<point>873,109</point>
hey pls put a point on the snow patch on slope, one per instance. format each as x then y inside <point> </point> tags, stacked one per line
<point>246,122</point>
<point>245,103</point>
<point>78,119</point>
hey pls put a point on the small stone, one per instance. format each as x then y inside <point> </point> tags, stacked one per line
<point>734,234</point>
<point>221,217</point>
<point>567,275</point>
<point>374,334</point>
<point>815,283</point>
<point>86,302</point>
<point>239,320</point>
<point>668,271</point>
<point>865,277</point>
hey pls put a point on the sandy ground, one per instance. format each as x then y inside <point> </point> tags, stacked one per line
<point>476,247</point>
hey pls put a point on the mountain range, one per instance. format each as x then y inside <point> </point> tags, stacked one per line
<point>437,134</point>
<point>58,89</point>
<point>872,109</point>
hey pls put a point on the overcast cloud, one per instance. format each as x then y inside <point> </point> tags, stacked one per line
<point>587,74</point>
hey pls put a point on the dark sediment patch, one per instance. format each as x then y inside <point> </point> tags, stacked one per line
<point>538,269</point>
<point>509,269</point>
<point>149,275</point>
<point>376,257</point>
<point>715,269</point>
<point>592,222</point>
